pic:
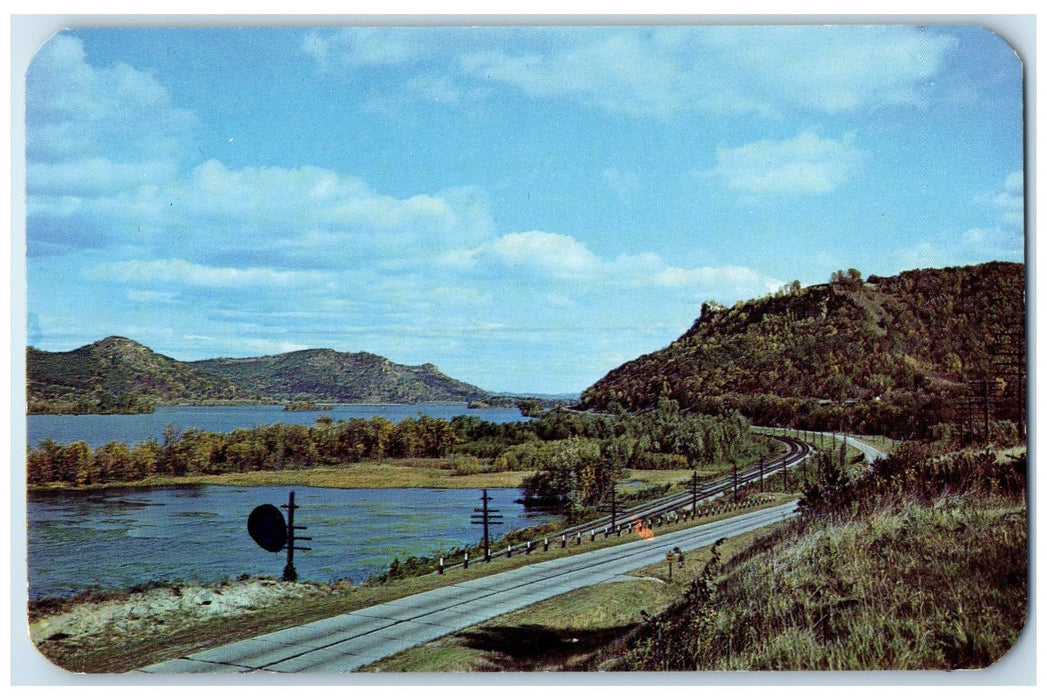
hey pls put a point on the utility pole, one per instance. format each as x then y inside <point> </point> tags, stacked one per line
<point>694,493</point>
<point>614,506</point>
<point>486,516</point>
<point>1008,358</point>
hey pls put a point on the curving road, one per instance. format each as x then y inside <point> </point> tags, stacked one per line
<point>351,641</point>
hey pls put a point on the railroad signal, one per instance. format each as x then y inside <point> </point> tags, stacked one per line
<point>267,527</point>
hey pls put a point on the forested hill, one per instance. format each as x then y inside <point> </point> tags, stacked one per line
<point>118,375</point>
<point>895,355</point>
<point>328,375</point>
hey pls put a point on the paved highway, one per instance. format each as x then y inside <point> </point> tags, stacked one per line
<point>351,641</point>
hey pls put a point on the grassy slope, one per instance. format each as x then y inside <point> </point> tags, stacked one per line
<point>914,587</point>
<point>910,585</point>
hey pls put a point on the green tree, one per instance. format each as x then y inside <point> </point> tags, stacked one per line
<point>113,462</point>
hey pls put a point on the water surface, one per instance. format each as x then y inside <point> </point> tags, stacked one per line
<point>116,538</point>
<point>97,430</point>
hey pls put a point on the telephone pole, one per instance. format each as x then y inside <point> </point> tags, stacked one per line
<point>486,516</point>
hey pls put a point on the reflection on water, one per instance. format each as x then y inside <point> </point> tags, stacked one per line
<point>121,537</point>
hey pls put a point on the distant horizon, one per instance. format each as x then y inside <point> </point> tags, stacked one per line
<point>527,206</point>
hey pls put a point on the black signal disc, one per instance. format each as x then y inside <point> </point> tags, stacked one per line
<point>267,527</point>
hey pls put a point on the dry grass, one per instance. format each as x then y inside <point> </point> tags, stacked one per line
<point>914,586</point>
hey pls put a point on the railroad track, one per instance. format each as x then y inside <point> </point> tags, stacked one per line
<point>796,452</point>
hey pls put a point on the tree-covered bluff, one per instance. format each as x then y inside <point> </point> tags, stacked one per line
<point>893,355</point>
<point>119,375</point>
<point>116,375</point>
<point>332,376</point>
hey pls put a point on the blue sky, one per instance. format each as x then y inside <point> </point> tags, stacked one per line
<point>527,208</point>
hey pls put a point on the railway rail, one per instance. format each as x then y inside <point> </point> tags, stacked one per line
<point>796,452</point>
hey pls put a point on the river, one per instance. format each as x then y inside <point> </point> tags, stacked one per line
<point>117,538</point>
<point>97,430</point>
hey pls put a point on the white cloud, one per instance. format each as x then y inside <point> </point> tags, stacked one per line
<point>618,71</point>
<point>547,258</point>
<point>95,176</point>
<point>1003,236</point>
<point>76,111</point>
<point>362,46</point>
<point>1000,237</point>
<point>662,71</point>
<point>1008,202</point>
<point>305,215</point>
<point>623,182</point>
<point>805,165</point>
<point>730,276</point>
<point>184,273</point>
<point>828,68</point>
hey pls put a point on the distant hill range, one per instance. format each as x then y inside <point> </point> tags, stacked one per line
<point>120,375</point>
<point>895,355</point>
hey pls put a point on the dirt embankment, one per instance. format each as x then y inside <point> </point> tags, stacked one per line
<point>114,620</point>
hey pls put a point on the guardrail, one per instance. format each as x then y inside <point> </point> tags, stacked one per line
<point>644,528</point>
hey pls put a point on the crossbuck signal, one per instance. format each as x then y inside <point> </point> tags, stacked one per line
<point>486,516</point>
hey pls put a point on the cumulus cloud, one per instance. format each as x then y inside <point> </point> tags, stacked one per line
<point>807,164</point>
<point>1003,236</point>
<point>77,111</point>
<point>619,71</point>
<point>1008,202</point>
<point>623,182</point>
<point>363,46</point>
<point>832,69</point>
<point>543,257</point>
<point>96,176</point>
<point>307,215</point>
<point>552,255</point>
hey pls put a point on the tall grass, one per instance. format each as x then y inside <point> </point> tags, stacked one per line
<point>922,564</point>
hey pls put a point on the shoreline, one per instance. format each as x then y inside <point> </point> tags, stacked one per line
<point>421,473</point>
<point>281,403</point>
<point>392,474</point>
